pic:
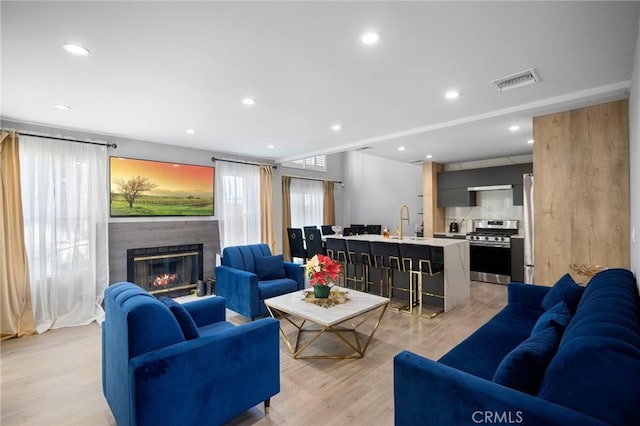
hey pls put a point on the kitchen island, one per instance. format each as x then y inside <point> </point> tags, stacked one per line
<point>455,259</point>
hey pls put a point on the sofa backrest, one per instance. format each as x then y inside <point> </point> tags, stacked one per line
<point>243,257</point>
<point>596,369</point>
<point>135,323</point>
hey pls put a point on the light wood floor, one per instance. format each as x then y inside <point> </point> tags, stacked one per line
<point>55,378</point>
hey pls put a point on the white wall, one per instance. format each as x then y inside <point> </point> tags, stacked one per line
<point>634,162</point>
<point>376,187</point>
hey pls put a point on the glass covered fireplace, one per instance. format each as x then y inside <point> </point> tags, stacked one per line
<point>169,269</point>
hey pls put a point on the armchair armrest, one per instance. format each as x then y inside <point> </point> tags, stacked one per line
<point>295,271</point>
<point>207,311</point>
<point>529,295</point>
<point>215,377</point>
<point>427,392</point>
<point>239,288</point>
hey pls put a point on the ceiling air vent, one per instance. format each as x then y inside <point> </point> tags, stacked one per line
<point>363,148</point>
<point>521,79</point>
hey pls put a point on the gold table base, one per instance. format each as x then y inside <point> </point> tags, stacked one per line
<point>337,329</point>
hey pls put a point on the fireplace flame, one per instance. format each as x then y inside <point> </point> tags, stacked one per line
<point>164,280</point>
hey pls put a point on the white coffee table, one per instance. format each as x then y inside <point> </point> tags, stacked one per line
<point>339,320</point>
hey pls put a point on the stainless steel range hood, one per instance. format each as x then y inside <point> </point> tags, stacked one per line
<point>489,188</point>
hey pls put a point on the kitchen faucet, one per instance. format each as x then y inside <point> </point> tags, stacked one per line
<point>402,218</point>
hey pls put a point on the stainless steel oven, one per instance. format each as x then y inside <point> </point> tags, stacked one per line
<point>490,250</point>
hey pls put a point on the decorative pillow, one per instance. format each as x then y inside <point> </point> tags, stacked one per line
<point>270,267</point>
<point>187,325</point>
<point>565,289</point>
<point>523,368</point>
<point>558,315</point>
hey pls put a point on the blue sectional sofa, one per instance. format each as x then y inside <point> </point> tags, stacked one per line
<point>552,356</point>
<point>169,364</point>
<point>249,274</point>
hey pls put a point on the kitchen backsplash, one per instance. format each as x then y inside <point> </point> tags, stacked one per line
<point>490,205</point>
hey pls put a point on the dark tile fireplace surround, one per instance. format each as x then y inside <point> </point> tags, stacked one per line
<point>163,257</point>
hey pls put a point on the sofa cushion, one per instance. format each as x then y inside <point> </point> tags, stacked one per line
<point>564,289</point>
<point>273,288</point>
<point>481,353</point>
<point>523,368</point>
<point>599,354</point>
<point>270,267</point>
<point>558,316</point>
<point>186,323</point>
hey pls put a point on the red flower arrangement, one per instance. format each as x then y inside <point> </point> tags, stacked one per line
<point>322,270</point>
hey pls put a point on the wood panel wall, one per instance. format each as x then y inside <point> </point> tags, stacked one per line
<point>433,216</point>
<point>128,235</point>
<point>581,195</point>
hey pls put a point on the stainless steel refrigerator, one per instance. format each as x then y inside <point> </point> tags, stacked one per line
<point>529,265</point>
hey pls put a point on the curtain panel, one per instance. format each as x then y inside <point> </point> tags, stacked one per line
<point>267,219</point>
<point>238,203</point>
<point>16,315</point>
<point>329,213</point>
<point>286,216</point>
<point>66,204</point>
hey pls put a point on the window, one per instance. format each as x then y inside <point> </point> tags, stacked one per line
<point>318,163</point>
<point>238,203</point>
<point>307,203</point>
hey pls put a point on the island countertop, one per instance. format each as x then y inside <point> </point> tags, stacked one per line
<point>456,262</point>
<point>435,242</point>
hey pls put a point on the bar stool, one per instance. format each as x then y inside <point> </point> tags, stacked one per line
<point>313,241</point>
<point>349,232</point>
<point>359,255</point>
<point>326,229</point>
<point>386,257</point>
<point>416,260</point>
<point>373,229</point>
<point>296,244</point>
<point>337,250</point>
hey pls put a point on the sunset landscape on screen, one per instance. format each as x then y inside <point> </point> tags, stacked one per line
<point>174,189</point>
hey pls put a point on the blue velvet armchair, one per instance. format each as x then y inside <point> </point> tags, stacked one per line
<point>169,364</point>
<point>249,274</point>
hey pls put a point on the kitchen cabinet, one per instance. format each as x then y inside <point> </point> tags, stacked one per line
<point>518,195</point>
<point>457,197</point>
<point>453,185</point>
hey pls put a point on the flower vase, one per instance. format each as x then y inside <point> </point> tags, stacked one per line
<point>321,291</point>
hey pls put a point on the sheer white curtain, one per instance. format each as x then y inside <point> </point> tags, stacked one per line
<point>307,202</point>
<point>65,202</point>
<point>238,203</point>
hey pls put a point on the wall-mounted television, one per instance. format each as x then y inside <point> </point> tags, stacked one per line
<point>157,188</point>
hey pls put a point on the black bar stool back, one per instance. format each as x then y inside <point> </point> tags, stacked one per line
<point>296,244</point>
<point>313,242</point>
<point>359,256</point>
<point>337,250</point>
<point>386,257</point>
<point>373,229</point>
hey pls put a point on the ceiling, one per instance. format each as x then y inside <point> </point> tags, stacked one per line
<point>156,69</point>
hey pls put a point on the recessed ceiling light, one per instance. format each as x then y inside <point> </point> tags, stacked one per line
<point>270,146</point>
<point>62,107</point>
<point>191,131</point>
<point>514,128</point>
<point>370,38</point>
<point>452,94</point>
<point>249,101</point>
<point>75,49</point>
<point>336,127</point>
<point>530,141</point>
<point>401,148</point>
<point>429,156</point>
